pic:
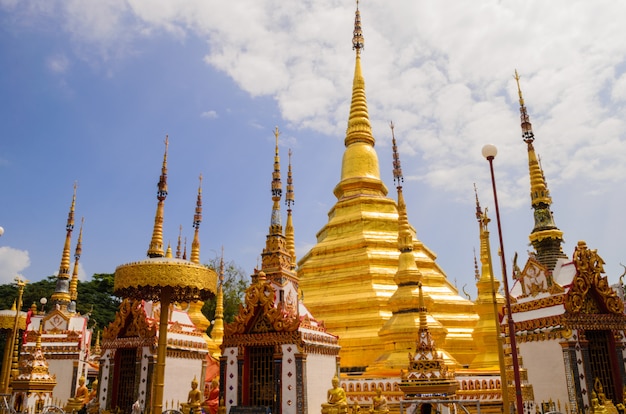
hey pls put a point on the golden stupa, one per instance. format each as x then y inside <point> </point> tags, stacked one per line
<point>348,276</point>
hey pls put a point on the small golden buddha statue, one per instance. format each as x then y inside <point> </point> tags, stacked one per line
<point>337,402</point>
<point>379,403</point>
<point>194,398</point>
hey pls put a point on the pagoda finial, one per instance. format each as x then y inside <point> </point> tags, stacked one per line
<point>289,230</point>
<point>61,295</point>
<point>277,188</point>
<point>197,219</point>
<point>405,239</point>
<point>397,169</point>
<point>178,244</point>
<point>359,127</point>
<point>77,253</point>
<point>422,310</point>
<point>358,42</point>
<point>156,244</point>
<point>527,128</point>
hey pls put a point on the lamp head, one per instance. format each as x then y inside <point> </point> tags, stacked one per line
<point>1,230</point>
<point>489,151</point>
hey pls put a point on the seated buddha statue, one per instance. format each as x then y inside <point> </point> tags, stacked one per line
<point>379,403</point>
<point>337,403</point>
<point>194,398</point>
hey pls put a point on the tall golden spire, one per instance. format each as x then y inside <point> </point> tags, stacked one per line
<point>488,304</point>
<point>77,253</point>
<point>276,259</point>
<point>61,295</point>
<point>197,219</point>
<point>217,333</point>
<point>289,231</point>
<point>360,162</point>
<point>545,237</point>
<point>156,244</point>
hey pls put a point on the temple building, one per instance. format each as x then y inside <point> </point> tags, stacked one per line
<point>570,323</point>
<point>155,347</point>
<point>275,354</point>
<point>359,247</point>
<point>63,333</point>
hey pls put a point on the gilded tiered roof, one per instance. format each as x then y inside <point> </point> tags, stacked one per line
<point>348,276</point>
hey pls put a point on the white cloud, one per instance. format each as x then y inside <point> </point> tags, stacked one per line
<point>12,263</point>
<point>58,63</point>
<point>211,114</point>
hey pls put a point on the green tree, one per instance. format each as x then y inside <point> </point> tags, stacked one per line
<point>235,283</point>
<point>96,298</point>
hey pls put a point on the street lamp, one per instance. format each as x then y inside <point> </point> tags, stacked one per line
<point>1,230</point>
<point>43,302</point>
<point>489,152</point>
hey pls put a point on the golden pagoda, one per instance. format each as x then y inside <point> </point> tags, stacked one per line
<point>348,276</point>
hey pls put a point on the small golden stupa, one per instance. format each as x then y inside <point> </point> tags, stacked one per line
<point>427,374</point>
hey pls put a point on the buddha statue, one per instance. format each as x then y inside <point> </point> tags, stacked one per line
<point>379,403</point>
<point>194,398</point>
<point>81,397</point>
<point>213,397</point>
<point>337,402</point>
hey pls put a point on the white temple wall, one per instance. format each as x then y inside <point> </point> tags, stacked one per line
<point>179,373</point>
<point>320,370</point>
<point>104,377</point>
<point>64,371</point>
<point>546,370</point>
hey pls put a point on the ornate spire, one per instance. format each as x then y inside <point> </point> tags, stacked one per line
<point>156,244</point>
<point>289,231</point>
<point>77,253</point>
<point>488,302</point>
<point>276,259</point>
<point>359,170</point>
<point>197,219</point>
<point>359,128</point>
<point>277,190</point>
<point>61,295</point>
<point>405,239</point>
<point>545,237</point>
<point>178,244</point>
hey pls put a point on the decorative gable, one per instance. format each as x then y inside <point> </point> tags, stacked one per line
<point>590,292</point>
<point>260,315</point>
<point>130,321</point>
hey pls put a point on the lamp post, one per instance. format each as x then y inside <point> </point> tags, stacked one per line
<point>489,152</point>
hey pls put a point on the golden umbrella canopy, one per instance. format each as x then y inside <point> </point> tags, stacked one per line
<point>147,279</point>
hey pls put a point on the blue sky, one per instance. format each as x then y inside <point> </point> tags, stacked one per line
<point>90,89</point>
